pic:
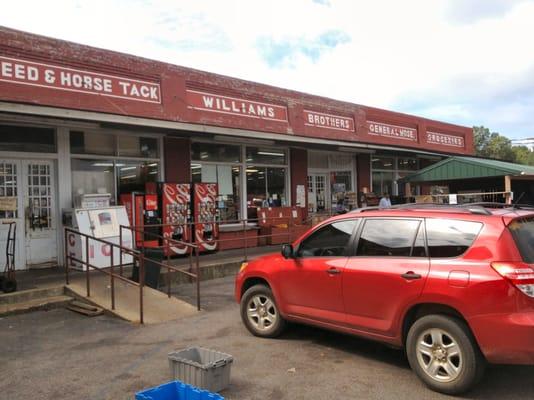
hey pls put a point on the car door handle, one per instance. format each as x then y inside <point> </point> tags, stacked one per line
<point>333,271</point>
<point>410,276</point>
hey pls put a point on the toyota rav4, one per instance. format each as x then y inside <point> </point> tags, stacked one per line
<point>452,286</point>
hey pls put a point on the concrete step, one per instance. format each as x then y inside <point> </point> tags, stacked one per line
<point>24,296</point>
<point>34,304</point>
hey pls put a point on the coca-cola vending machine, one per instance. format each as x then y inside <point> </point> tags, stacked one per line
<point>205,215</point>
<point>174,201</point>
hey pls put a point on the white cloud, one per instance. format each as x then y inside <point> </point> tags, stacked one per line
<point>461,61</point>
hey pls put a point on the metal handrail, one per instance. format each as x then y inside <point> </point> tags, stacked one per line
<point>122,249</point>
<point>169,267</point>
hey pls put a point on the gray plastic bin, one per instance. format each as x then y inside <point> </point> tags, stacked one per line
<point>203,368</point>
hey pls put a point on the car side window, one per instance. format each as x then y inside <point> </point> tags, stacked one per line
<point>390,238</point>
<point>328,241</point>
<point>450,237</point>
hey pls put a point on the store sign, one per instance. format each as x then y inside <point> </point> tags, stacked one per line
<point>233,106</point>
<point>444,139</point>
<point>320,120</point>
<point>392,131</point>
<point>8,204</point>
<point>30,73</point>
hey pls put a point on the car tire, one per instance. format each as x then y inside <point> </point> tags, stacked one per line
<point>260,313</point>
<point>443,353</point>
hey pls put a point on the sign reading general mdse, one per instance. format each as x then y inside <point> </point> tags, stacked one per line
<point>24,72</point>
<point>392,131</point>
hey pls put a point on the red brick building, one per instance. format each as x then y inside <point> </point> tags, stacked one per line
<point>77,119</point>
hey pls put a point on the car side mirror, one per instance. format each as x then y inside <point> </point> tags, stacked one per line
<point>287,251</point>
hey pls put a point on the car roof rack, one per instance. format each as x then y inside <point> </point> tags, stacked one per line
<point>504,205</point>
<point>477,209</point>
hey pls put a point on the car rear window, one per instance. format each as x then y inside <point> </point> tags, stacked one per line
<point>449,237</point>
<point>523,233</point>
<point>391,238</point>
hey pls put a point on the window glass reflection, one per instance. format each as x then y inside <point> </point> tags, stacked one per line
<point>392,238</point>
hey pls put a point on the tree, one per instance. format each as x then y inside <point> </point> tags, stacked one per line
<point>492,145</point>
<point>523,155</point>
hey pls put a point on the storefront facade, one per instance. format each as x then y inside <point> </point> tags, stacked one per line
<point>75,120</point>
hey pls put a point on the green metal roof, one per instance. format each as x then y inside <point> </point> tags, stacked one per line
<point>453,168</point>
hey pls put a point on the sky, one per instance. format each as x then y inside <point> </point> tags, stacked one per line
<point>469,62</point>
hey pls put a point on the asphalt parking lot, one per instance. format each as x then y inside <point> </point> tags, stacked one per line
<point>62,355</point>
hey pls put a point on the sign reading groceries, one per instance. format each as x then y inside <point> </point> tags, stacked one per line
<point>233,106</point>
<point>31,73</point>
<point>392,131</point>
<point>444,139</point>
<point>321,120</point>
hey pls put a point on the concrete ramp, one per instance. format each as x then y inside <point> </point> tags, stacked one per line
<point>157,306</point>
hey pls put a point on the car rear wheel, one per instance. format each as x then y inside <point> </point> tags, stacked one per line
<point>443,353</point>
<point>260,313</point>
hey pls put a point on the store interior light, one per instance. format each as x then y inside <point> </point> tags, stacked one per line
<point>128,168</point>
<point>203,155</point>
<point>388,165</point>
<point>154,164</point>
<point>196,166</point>
<point>153,172</point>
<point>129,176</point>
<point>269,153</point>
<point>103,164</point>
<point>251,170</point>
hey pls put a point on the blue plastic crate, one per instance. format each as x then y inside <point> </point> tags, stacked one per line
<point>176,390</point>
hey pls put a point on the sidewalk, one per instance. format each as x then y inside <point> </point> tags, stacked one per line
<point>213,265</point>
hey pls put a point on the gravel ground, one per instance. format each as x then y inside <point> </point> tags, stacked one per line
<point>63,355</point>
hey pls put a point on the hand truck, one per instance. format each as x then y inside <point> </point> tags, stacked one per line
<point>8,282</point>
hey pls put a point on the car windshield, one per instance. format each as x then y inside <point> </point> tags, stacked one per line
<point>523,232</point>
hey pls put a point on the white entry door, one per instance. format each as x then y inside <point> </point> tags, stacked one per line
<point>27,196</point>
<point>317,192</point>
<point>40,213</point>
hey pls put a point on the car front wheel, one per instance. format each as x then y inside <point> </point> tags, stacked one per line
<point>442,352</point>
<point>260,313</point>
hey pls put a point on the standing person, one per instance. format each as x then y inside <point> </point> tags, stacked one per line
<point>385,202</point>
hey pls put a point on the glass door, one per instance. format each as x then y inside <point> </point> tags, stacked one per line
<point>39,208</point>
<point>317,192</point>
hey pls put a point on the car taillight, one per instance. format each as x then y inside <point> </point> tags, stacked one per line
<point>520,274</point>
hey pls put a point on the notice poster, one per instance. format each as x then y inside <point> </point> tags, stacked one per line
<point>301,196</point>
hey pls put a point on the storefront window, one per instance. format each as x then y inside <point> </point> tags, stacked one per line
<point>215,152</point>
<point>103,176</point>
<point>135,146</point>
<point>133,175</point>
<point>383,182</point>
<point>266,187</point>
<point>107,144</point>
<point>92,176</point>
<point>383,163</point>
<point>92,143</point>
<point>258,155</point>
<point>228,179</point>
<point>27,139</point>
<point>407,164</point>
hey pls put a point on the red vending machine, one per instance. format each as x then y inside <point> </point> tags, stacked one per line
<point>174,201</point>
<point>142,210</point>
<point>205,215</point>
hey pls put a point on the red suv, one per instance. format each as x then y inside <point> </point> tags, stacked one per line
<point>453,286</point>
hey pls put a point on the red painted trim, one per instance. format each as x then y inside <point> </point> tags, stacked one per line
<point>175,101</point>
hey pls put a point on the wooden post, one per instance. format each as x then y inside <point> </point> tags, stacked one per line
<point>508,189</point>
<point>407,190</point>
